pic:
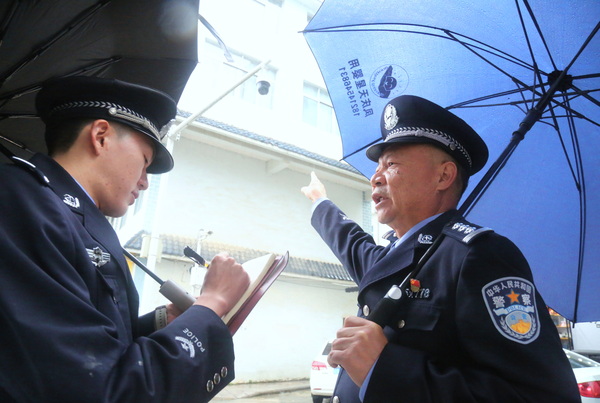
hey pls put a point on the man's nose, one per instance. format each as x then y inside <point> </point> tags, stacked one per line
<point>143,182</point>
<point>377,179</point>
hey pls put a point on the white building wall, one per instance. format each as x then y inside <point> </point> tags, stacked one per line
<point>235,197</point>
<point>289,328</point>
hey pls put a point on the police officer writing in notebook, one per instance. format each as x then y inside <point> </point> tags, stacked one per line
<point>470,325</point>
<point>70,326</point>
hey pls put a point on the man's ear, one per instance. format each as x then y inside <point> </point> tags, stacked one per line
<point>98,132</point>
<point>448,175</point>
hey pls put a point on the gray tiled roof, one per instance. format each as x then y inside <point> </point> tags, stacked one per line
<point>173,245</point>
<point>276,143</point>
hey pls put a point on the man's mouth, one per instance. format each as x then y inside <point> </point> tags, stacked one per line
<point>377,198</point>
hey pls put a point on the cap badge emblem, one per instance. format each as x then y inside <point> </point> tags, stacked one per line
<point>390,117</point>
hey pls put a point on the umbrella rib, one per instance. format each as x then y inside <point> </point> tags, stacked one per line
<point>538,29</point>
<point>582,208</point>
<point>44,47</point>
<point>35,87</point>
<point>220,41</point>
<point>360,149</point>
<point>576,92</point>
<point>8,18</point>
<point>556,127</point>
<point>536,71</point>
<point>514,79</point>
<point>572,95</point>
<point>496,95</point>
<point>449,35</point>
<point>584,45</point>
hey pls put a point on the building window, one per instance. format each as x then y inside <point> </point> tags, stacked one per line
<point>317,110</point>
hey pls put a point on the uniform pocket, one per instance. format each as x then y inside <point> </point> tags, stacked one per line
<point>419,315</point>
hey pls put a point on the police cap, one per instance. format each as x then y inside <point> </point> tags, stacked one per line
<point>143,109</point>
<point>411,119</point>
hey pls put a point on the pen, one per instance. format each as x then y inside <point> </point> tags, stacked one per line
<point>189,252</point>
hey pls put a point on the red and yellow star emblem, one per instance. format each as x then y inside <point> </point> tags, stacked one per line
<point>514,297</point>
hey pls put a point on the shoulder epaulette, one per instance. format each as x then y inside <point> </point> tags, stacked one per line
<point>29,167</point>
<point>464,231</point>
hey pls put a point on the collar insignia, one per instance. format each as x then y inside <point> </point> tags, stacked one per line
<point>98,257</point>
<point>425,239</point>
<point>71,201</point>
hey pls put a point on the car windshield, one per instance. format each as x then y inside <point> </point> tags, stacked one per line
<point>580,361</point>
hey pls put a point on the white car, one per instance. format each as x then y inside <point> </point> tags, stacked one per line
<point>322,377</point>
<point>587,373</point>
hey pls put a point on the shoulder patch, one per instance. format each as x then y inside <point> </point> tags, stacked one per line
<point>465,231</point>
<point>510,301</point>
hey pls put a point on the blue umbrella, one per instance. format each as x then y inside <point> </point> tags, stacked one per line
<point>523,72</point>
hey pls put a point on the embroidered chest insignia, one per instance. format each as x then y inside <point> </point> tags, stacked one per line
<point>510,301</point>
<point>71,201</point>
<point>416,290</point>
<point>98,257</point>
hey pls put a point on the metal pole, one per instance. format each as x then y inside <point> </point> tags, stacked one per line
<point>194,116</point>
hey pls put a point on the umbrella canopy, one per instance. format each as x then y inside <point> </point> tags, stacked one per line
<point>525,67</point>
<point>148,42</point>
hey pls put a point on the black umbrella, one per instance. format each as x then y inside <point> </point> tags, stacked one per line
<point>515,70</point>
<point>148,42</point>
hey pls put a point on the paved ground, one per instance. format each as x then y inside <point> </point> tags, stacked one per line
<point>237,391</point>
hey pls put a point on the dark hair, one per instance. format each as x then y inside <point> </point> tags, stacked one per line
<point>61,136</point>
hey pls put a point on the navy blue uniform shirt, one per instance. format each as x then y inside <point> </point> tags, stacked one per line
<point>475,330</point>
<point>69,309</point>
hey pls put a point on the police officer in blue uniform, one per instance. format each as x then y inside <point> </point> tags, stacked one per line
<point>470,325</point>
<point>70,326</point>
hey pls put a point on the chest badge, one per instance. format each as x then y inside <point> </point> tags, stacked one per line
<point>98,257</point>
<point>416,290</point>
<point>510,301</point>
